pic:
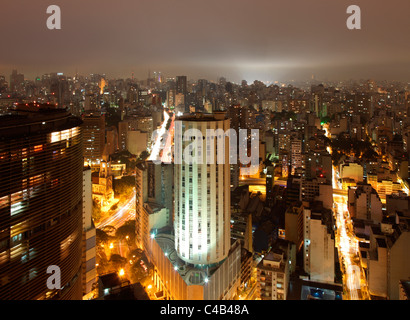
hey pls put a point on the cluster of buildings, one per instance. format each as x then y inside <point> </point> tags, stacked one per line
<point>209,231</point>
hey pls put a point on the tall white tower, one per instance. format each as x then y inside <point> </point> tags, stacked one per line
<point>202,190</point>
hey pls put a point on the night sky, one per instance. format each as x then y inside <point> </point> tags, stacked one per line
<point>255,39</point>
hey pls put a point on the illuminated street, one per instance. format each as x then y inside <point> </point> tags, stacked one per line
<point>161,150</point>
<point>124,213</point>
<point>354,280</point>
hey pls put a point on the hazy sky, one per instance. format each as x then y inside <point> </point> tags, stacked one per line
<point>238,39</point>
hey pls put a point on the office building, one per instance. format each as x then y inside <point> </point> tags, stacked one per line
<point>41,203</point>
<point>296,159</point>
<point>198,260</point>
<point>202,196</point>
<point>94,137</point>
<point>319,243</point>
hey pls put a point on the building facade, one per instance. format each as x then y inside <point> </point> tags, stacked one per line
<point>41,204</point>
<point>94,137</point>
<point>273,272</point>
<point>202,194</point>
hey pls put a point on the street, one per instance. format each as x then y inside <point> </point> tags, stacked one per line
<point>122,214</point>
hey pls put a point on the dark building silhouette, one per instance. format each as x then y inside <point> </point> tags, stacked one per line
<point>181,85</point>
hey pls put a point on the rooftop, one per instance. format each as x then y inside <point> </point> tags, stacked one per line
<point>29,119</point>
<point>215,116</point>
<point>110,280</point>
<point>131,292</point>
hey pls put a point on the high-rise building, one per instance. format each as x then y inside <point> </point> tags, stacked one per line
<point>94,137</point>
<point>296,159</point>
<point>154,200</point>
<point>16,81</point>
<point>202,196</point>
<point>199,260</point>
<point>319,244</point>
<point>41,203</point>
<point>122,135</point>
<point>181,85</point>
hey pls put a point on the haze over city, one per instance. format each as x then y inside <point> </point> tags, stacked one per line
<point>240,40</point>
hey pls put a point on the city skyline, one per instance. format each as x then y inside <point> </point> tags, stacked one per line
<point>297,228</point>
<point>247,41</point>
<point>210,150</point>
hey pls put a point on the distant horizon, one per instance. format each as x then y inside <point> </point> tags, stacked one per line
<point>215,78</point>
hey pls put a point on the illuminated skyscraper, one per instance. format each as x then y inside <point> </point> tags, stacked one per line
<point>202,194</point>
<point>200,260</point>
<point>41,203</point>
<point>94,137</point>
